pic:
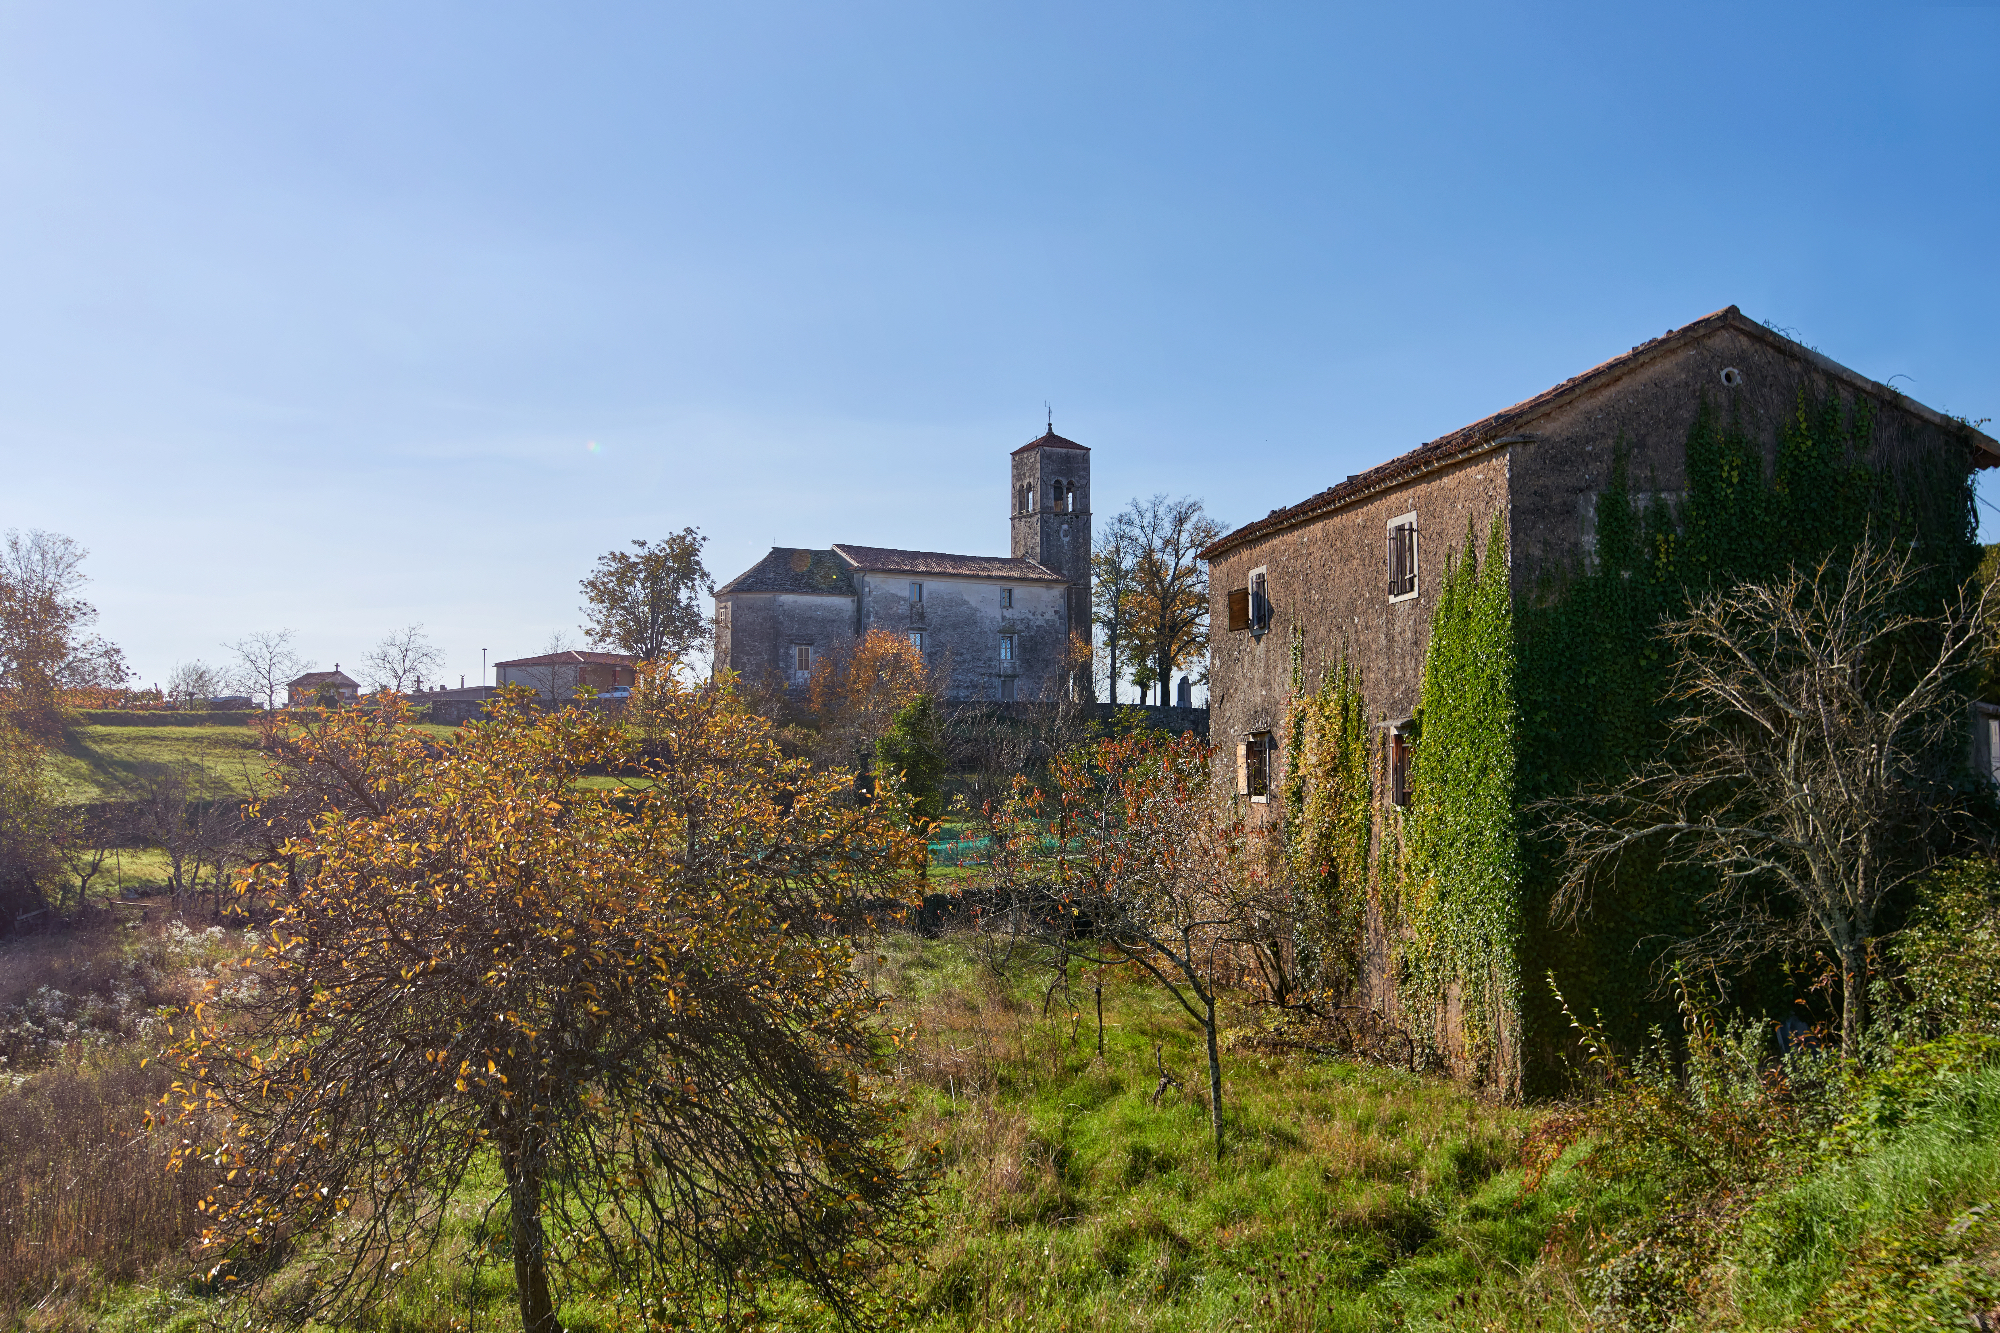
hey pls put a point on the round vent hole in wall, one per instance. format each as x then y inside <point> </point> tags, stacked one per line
<point>1731,376</point>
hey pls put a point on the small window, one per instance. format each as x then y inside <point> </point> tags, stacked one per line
<point>1028,498</point>
<point>1402,749</point>
<point>1260,603</point>
<point>1006,647</point>
<point>802,657</point>
<point>1006,599</point>
<point>1403,557</point>
<point>1254,766</point>
<point>916,592</point>
<point>917,638</point>
<point>1006,689</point>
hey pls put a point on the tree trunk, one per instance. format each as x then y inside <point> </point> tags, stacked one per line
<point>1853,998</point>
<point>1111,659</point>
<point>1214,1075</point>
<point>530,1244</point>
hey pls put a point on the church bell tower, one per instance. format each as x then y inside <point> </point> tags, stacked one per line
<point>1050,499</point>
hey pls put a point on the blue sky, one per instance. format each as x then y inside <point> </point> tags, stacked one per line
<point>344,316</point>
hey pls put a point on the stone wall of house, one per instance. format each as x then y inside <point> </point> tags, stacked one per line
<point>962,621</point>
<point>1560,472</point>
<point>1328,578</point>
<point>758,631</point>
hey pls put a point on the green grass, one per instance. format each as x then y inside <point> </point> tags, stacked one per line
<point>105,763</point>
<point>1348,1197</point>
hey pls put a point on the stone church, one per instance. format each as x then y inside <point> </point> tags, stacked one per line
<point>994,628</point>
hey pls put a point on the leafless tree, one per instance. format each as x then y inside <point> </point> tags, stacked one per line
<point>265,662</point>
<point>402,659</point>
<point>193,684</point>
<point>1812,771</point>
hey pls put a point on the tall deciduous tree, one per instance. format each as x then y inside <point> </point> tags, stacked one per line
<point>1822,726</point>
<point>401,659</point>
<point>265,662</point>
<point>627,1001</point>
<point>1112,582</point>
<point>46,647</point>
<point>1168,604</point>
<point>647,601</point>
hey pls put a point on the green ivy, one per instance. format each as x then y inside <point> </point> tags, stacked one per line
<point>1592,667</point>
<point>1328,818</point>
<point>1461,898</point>
<point>1523,702</point>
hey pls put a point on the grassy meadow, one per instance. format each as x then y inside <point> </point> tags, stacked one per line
<point>1077,1191</point>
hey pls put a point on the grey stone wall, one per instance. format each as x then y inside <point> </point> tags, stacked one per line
<point>756,632</point>
<point>1559,473</point>
<point>1058,539</point>
<point>1328,577</point>
<point>962,621</point>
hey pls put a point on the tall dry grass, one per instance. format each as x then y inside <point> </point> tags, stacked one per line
<point>85,1198</point>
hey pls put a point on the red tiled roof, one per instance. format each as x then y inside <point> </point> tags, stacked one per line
<point>566,659</point>
<point>315,678</point>
<point>884,560</point>
<point>1052,441</point>
<point>1492,431</point>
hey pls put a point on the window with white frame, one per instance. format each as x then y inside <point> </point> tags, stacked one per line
<point>1402,557</point>
<point>1260,602</point>
<point>802,657</point>
<point>917,638</point>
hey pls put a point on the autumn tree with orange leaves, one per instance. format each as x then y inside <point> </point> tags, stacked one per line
<point>855,695</point>
<point>629,1000</point>
<point>1124,856</point>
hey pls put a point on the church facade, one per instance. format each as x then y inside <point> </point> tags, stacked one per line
<point>994,628</point>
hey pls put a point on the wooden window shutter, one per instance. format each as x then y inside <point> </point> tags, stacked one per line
<point>1243,768</point>
<point>1239,608</point>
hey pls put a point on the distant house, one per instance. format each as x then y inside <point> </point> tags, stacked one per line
<point>331,688</point>
<point>561,675</point>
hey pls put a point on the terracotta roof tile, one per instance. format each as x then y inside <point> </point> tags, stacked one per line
<point>1051,441</point>
<point>574,657</point>
<point>884,560</point>
<point>1494,430</point>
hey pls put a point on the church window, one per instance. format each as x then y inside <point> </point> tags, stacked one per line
<point>1006,599</point>
<point>1403,557</point>
<point>1028,498</point>
<point>917,638</point>
<point>1059,497</point>
<point>1006,647</point>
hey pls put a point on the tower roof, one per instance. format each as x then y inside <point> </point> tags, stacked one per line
<point>1051,441</point>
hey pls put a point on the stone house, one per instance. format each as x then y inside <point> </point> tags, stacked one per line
<point>317,687</point>
<point>996,628</point>
<point>1352,574</point>
<point>560,675</point>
